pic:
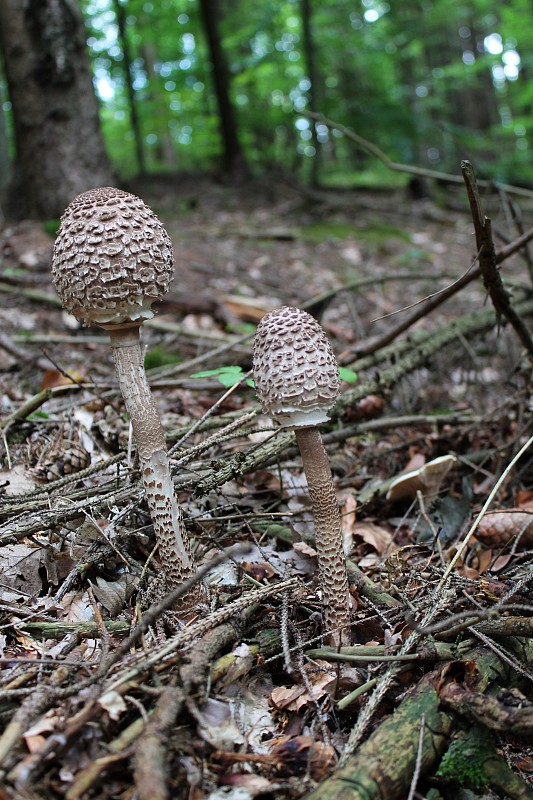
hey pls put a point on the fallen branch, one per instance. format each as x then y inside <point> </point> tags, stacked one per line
<point>409,169</point>
<point>488,264</point>
<point>384,764</point>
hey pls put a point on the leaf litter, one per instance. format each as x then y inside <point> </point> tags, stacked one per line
<point>269,711</point>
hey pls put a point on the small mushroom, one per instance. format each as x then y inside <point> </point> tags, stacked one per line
<point>297,382</point>
<point>112,260</point>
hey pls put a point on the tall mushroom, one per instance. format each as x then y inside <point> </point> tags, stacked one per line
<point>112,260</point>
<point>297,382</point>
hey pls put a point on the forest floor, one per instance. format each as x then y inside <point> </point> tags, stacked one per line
<point>435,698</point>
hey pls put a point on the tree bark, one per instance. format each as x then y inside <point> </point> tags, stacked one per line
<point>312,74</point>
<point>59,146</point>
<point>233,160</point>
<point>120,13</point>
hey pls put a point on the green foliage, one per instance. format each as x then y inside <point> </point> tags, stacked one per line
<point>51,226</point>
<point>158,357</point>
<point>228,375</point>
<point>348,375</point>
<point>328,230</point>
<point>413,257</point>
<point>231,375</point>
<point>38,415</point>
<point>430,83</point>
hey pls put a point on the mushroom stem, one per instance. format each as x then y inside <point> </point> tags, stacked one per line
<point>169,528</point>
<point>328,535</point>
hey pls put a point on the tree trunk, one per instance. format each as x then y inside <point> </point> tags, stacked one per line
<point>59,146</point>
<point>233,160</point>
<point>5,163</point>
<point>120,13</point>
<point>312,74</point>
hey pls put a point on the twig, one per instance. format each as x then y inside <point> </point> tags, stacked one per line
<point>509,660</point>
<point>486,506</point>
<point>487,261</point>
<point>418,762</point>
<point>195,630</point>
<point>407,168</point>
<point>439,600</point>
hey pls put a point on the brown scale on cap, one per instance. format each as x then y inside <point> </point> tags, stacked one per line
<point>295,370</point>
<point>297,381</point>
<point>112,258</point>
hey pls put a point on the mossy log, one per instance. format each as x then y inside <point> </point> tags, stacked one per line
<point>384,765</point>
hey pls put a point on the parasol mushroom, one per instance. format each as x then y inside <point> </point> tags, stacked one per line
<point>112,260</point>
<point>297,382</point>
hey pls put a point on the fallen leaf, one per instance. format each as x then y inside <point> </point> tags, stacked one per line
<point>377,537</point>
<point>19,480</point>
<point>293,698</point>
<point>25,570</point>
<point>52,378</point>
<point>426,479</point>
<point>300,754</point>
<point>304,549</point>
<point>113,703</point>
<point>217,726</point>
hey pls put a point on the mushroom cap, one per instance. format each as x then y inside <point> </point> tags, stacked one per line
<point>296,375</point>
<point>112,258</point>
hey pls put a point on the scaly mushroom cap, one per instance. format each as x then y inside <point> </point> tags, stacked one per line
<point>112,258</point>
<point>296,375</point>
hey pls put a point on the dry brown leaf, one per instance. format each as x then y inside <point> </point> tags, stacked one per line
<point>113,703</point>
<point>377,537</point>
<point>524,500</point>
<point>348,505</point>
<point>304,549</point>
<point>21,566</point>
<point>470,573</point>
<point>249,309</point>
<point>293,698</point>
<point>19,480</point>
<point>34,736</point>
<point>501,563</point>
<point>298,754</point>
<point>217,726</point>
<point>484,560</point>
<point>288,697</point>
<point>52,378</point>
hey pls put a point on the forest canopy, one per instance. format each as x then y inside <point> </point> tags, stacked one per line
<point>429,81</point>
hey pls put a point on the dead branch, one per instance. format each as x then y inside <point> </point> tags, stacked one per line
<point>487,261</point>
<point>384,764</point>
<point>409,169</point>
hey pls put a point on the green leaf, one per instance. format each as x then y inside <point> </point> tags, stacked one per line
<point>348,375</point>
<point>228,375</point>
<point>38,415</point>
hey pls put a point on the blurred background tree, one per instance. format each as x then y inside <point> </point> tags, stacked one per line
<point>214,85</point>
<point>57,142</point>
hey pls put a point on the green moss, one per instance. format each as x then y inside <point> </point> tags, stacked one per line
<point>464,761</point>
<point>378,232</point>
<point>378,178</point>
<point>159,358</point>
<point>324,231</point>
<point>413,257</point>
<point>51,226</point>
<point>381,231</point>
